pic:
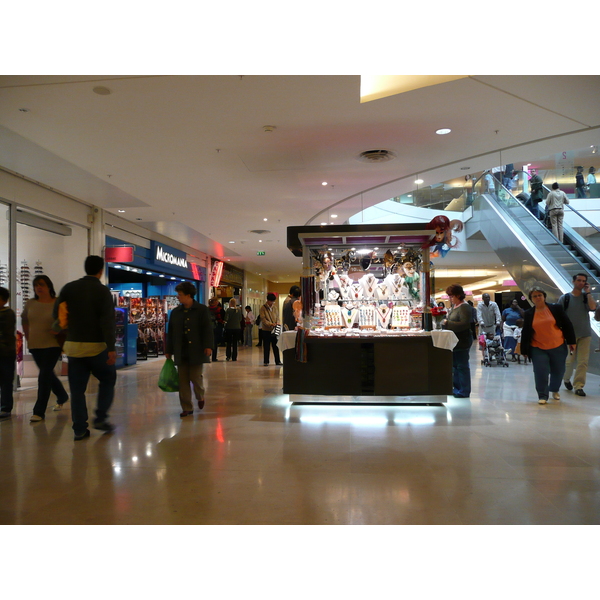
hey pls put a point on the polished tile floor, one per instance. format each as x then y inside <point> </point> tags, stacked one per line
<point>252,457</point>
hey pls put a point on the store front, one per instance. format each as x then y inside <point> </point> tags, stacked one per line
<point>143,282</point>
<point>227,283</point>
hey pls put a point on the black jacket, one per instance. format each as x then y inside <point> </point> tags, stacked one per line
<point>8,341</point>
<point>562,321</point>
<point>91,311</point>
<point>198,334</point>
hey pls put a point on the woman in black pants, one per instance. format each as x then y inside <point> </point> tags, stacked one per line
<point>269,317</point>
<point>37,323</point>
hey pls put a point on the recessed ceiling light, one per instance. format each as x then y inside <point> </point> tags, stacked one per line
<point>418,181</point>
<point>121,210</point>
<point>324,183</point>
<point>323,223</point>
<point>334,216</point>
<point>232,242</point>
<point>443,131</point>
<point>102,91</point>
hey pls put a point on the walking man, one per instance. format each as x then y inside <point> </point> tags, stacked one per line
<point>488,315</point>
<point>577,304</point>
<point>190,342</point>
<point>90,344</point>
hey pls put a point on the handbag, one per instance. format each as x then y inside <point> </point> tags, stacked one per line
<point>277,330</point>
<point>168,380</point>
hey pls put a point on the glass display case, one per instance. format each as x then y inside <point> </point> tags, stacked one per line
<point>367,315</point>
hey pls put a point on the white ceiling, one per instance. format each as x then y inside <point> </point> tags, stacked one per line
<point>188,154</point>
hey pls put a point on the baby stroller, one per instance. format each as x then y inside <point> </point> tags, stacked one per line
<point>492,351</point>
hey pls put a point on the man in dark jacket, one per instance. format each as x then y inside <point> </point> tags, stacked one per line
<point>190,342</point>
<point>90,344</point>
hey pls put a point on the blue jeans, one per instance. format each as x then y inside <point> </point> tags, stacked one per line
<point>461,373</point>
<point>548,369</point>
<point>80,370</point>
<point>7,376</point>
<point>45,359</point>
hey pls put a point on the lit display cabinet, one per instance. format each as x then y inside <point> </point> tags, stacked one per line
<point>366,317</point>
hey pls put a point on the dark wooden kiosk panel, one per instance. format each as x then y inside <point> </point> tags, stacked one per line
<point>369,366</point>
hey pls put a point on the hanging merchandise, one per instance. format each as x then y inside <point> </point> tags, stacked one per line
<point>3,275</point>
<point>25,281</point>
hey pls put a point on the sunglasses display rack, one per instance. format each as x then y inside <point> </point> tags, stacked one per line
<point>3,275</point>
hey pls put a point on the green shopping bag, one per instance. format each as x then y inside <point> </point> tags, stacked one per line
<point>168,380</point>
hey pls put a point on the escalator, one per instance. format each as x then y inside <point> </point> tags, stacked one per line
<point>532,255</point>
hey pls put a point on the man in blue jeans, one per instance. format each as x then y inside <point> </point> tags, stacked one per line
<point>87,306</point>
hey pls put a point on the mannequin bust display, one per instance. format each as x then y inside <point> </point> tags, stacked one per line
<point>349,314</point>
<point>356,291</point>
<point>384,315</point>
<point>394,282</point>
<point>343,283</point>
<point>369,285</point>
<point>383,291</point>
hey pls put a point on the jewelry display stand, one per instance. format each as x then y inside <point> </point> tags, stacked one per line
<point>375,330</point>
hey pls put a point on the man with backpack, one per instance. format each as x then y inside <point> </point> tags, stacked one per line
<point>577,304</point>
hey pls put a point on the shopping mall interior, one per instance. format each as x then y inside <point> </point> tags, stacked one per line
<point>222,170</point>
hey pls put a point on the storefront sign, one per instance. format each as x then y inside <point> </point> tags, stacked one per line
<point>170,256</point>
<point>216,273</point>
<point>121,254</point>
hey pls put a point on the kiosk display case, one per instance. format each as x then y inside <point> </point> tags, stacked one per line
<point>366,316</point>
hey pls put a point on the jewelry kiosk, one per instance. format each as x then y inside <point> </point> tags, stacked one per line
<point>366,326</point>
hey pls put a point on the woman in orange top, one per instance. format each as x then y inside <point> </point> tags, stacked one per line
<point>546,332</point>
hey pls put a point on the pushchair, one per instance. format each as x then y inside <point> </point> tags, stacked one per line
<point>492,351</point>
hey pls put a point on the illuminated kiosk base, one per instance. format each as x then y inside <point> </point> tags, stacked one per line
<point>374,370</point>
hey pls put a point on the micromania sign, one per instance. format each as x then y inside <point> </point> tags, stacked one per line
<point>162,255</point>
<point>171,259</point>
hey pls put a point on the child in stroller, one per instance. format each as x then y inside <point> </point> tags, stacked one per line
<point>517,333</point>
<point>492,350</point>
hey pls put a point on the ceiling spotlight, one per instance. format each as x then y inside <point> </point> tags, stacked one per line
<point>102,91</point>
<point>323,223</point>
<point>121,210</point>
<point>334,216</point>
<point>443,131</point>
<point>324,183</point>
<point>265,219</point>
<point>418,181</point>
<point>232,242</point>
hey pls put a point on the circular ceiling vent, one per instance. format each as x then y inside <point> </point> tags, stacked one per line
<point>259,231</point>
<point>376,156</point>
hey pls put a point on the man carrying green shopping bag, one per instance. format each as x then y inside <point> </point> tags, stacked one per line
<point>189,343</point>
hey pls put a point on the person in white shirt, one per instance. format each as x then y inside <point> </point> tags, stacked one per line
<point>555,202</point>
<point>488,315</point>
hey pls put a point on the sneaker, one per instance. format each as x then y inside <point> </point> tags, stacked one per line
<point>58,407</point>
<point>542,401</point>
<point>580,392</point>
<point>35,418</point>
<point>568,385</point>
<point>556,396</point>
<point>4,415</point>
<point>104,426</point>
<point>82,436</point>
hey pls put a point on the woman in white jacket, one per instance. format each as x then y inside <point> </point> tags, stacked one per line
<point>555,202</point>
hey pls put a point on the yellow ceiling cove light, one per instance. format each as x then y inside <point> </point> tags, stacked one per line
<point>374,87</point>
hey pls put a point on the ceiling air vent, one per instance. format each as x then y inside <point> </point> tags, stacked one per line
<point>260,231</point>
<point>376,156</point>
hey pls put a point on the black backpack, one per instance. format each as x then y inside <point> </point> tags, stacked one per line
<point>568,297</point>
